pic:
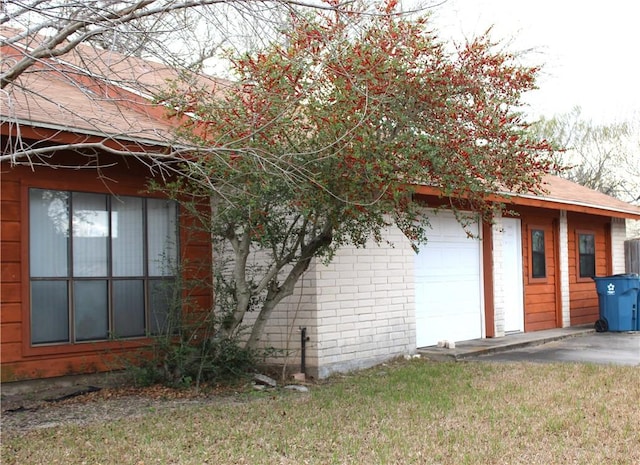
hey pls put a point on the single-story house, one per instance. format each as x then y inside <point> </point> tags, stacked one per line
<point>527,271</point>
<point>88,254</point>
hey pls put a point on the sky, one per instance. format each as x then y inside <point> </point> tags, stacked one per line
<point>590,51</point>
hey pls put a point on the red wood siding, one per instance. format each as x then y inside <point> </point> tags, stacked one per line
<point>540,295</point>
<point>583,295</point>
<point>487,271</point>
<point>10,274</point>
<point>18,358</point>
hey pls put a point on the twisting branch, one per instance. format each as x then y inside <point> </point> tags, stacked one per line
<point>88,23</point>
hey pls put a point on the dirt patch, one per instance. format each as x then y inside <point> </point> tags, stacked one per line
<point>83,405</point>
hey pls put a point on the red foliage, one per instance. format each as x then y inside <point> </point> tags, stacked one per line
<point>355,107</point>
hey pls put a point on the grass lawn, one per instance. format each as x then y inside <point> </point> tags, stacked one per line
<point>406,412</point>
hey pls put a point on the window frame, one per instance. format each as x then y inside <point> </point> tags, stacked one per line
<point>545,230</point>
<point>73,343</point>
<point>585,232</point>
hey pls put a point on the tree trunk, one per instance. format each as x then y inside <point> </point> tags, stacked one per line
<point>242,291</point>
<point>274,297</point>
<point>276,294</point>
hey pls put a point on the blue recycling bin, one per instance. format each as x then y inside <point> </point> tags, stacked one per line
<point>618,299</point>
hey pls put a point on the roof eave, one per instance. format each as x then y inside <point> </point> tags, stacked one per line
<point>85,132</point>
<point>530,200</point>
<point>573,205</point>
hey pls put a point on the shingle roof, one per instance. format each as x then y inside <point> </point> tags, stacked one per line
<point>568,195</point>
<point>92,91</point>
<point>54,101</point>
<point>562,194</point>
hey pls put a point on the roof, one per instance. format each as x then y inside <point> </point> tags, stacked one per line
<point>109,94</point>
<point>54,101</point>
<point>562,194</point>
<point>568,195</point>
<point>93,92</point>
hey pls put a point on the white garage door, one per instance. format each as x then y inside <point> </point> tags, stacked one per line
<point>448,284</point>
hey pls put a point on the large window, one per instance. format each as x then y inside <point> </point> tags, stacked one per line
<point>101,266</point>
<point>586,255</point>
<point>538,257</point>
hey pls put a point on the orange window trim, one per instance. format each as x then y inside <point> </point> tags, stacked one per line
<point>578,233</point>
<point>547,237</point>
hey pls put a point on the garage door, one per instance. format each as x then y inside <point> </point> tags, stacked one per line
<point>448,283</point>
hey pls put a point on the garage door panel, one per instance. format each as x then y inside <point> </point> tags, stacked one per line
<point>451,291</point>
<point>446,259</point>
<point>463,333</point>
<point>448,298</point>
<point>446,227</point>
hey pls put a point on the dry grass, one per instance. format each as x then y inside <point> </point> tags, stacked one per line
<point>410,412</point>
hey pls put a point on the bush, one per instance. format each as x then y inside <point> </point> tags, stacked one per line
<point>178,363</point>
<point>189,349</point>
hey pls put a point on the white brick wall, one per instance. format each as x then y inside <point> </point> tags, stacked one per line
<point>565,300</point>
<point>633,229</point>
<point>358,310</point>
<point>375,316</point>
<point>498,285</point>
<point>618,236</point>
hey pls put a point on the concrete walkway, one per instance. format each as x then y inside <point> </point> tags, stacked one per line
<point>476,347</point>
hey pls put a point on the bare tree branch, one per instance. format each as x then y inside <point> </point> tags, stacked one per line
<point>601,157</point>
<point>96,18</point>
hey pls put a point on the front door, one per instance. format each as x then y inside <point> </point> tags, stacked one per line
<point>512,275</point>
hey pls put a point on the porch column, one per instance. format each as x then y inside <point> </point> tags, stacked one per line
<point>498,285</point>
<point>618,236</point>
<point>563,238</point>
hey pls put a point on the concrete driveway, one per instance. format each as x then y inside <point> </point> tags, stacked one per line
<point>601,348</point>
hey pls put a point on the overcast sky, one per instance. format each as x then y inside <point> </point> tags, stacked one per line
<point>590,50</point>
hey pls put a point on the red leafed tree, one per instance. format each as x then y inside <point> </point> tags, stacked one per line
<point>327,131</point>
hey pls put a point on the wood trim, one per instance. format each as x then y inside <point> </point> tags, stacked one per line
<point>59,136</point>
<point>25,279</point>
<point>544,228</point>
<point>487,271</point>
<point>557,205</point>
<point>79,348</point>
<point>608,244</point>
<point>558,274</point>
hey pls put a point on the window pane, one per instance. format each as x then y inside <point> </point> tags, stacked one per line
<point>587,244</point>
<point>537,240</point>
<point>128,308</point>
<point>49,312</point>
<point>127,239</point>
<point>162,306</point>
<point>90,234</point>
<point>162,237</point>
<point>90,307</point>
<point>587,266</point>
<point>587,255</point>
<point>48,233</point>
<point>539,269</point>
<point>538,257</point>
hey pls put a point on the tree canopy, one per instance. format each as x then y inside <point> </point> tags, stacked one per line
<point>603,157</point>
<point>327,132</point>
